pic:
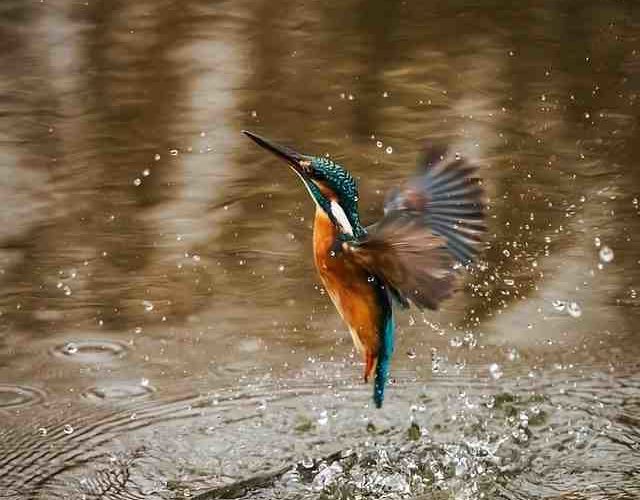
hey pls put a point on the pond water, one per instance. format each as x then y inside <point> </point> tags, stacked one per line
<point>163,333</point>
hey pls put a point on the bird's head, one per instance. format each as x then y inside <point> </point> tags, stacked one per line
<point>331,186</point>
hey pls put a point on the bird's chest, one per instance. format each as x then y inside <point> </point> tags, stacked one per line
<point>349,286</point>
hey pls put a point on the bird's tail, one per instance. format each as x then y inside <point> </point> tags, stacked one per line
<point>384,359</point>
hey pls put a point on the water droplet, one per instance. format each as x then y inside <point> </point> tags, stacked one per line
<point>537,465</point>
<point>327,476</point>
<point>411,353</point>
<point>606,254</point>
<point>370,279</point>
<point>435,362</point>
<point>156,157</point>
<point>196,257</point>
<point>173,152</point>
<point>574,310</point>
<point>455,342</point>
<point>148,305</point>
<point>597,242</point>
<point>137,181</point>
<point>281,268</point>
<point>385,94</point>
<point>389,150</point>
<point>351,97</point>
<point>495,371</point>
<point>254,113</point>
<point>144,382</point>
<point>587,115</point>
<point>506,253</point>
<point>379,144</point>
<point>324,418</point>
<point>513,354</point>
<point>68,429</point>
<point>559,305</point>
<point>509,282</point>
<point>42,431</point>
<point>146,172</point>
<point>70,348</point>
<point>470,340</point>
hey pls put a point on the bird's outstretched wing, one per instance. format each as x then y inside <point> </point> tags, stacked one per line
<point>434,220</point>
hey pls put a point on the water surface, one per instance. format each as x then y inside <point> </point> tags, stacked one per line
<point>163,332</point>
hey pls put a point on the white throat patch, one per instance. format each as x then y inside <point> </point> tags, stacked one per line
<point>341,218</point>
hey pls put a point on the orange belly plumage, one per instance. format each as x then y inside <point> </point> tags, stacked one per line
<point>351,291</point>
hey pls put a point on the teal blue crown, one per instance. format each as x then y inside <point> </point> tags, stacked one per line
<point>343,185</point>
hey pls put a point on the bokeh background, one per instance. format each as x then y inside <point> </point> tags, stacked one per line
<point>163,333</point>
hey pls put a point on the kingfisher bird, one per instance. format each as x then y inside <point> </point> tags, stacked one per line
<point>431,224</point>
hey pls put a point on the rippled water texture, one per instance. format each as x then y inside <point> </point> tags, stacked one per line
<point>163,332</point>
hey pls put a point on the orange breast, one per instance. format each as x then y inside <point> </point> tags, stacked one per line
<point>351,292</point>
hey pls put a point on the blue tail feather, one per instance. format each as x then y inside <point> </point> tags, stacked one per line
<point>385,354</point>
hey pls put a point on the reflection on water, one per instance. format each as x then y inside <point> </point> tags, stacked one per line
<point>163,331</point>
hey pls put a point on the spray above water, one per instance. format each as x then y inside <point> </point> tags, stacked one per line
<point>606,254</point>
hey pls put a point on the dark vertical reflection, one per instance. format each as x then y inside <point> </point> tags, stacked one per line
<point>130,64</point>
<point>602,113</point>
<point>379,44</point>
<point>32,148</point>
<point>525,163</point>
<point>129,88</point>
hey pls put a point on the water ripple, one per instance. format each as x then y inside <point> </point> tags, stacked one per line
<point>14,396</point>
<point>118,391</point>
<point>90,350</point>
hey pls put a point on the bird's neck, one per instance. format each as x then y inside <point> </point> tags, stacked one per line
<point>324,234</point>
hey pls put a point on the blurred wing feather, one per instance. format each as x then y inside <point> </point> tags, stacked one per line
<point>411,260</point>
<point>449,199</point>
<point>432,221</point>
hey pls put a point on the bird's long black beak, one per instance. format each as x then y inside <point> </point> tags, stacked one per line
<point>298,161</point>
